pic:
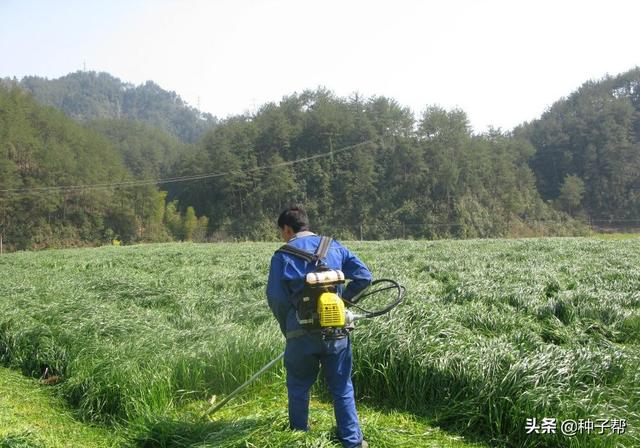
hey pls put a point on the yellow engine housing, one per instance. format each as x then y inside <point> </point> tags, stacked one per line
<point>331,310</point>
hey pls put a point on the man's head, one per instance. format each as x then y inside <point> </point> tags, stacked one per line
<point>292,220</point>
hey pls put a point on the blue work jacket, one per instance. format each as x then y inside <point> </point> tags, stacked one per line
<point>287,274</point>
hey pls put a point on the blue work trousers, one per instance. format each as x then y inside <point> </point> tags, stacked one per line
<point>302,357</point>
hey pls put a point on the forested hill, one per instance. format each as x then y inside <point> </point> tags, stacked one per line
<point>148,152</point>
<point>87,96</point>
<point>365,167</point>
<point>411,178</point>
<point>41,148</point>
<point>587,158</point>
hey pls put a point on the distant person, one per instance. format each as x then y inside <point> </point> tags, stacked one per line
<point>307,349</point>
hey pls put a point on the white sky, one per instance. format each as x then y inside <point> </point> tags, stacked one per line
<point>502,62</point>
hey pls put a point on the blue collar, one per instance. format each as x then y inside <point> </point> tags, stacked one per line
<point>301,235</point>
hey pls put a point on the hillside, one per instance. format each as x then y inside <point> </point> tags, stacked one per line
<point>148,152</point>
<point>370,168</point>
<point>86,96</point>
<point>587,157</point>
<point>398,176</point>
<point>44,156</point>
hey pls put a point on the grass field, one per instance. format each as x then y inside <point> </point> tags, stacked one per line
<point>493,332</point>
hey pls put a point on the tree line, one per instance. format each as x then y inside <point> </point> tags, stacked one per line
<point>368,167</point>
<point>425,178</point>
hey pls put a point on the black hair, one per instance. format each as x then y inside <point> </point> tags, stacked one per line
<point>295,217</point>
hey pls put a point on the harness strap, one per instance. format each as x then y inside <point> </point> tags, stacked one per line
<point>320,253</point>
<point>301,332</point>
<point>327,333</point>
<point>292,250</point>
<point>323,247</point>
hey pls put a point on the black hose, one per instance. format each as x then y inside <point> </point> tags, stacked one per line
<point>364,294</point>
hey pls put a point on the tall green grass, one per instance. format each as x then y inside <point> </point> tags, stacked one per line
<point>492,332</point>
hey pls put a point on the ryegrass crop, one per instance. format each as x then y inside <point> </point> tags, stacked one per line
<point>492,332</point>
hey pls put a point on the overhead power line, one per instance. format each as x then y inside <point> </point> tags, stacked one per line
<point>136,183</point>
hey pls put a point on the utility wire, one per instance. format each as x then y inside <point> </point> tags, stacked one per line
<point>135,183</point>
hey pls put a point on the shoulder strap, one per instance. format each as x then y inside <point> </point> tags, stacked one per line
<point>292,250</point>
<point>323,247</point>
<point>320,253</point>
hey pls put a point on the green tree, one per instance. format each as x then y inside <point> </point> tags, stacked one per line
<point>189,224</point>
<point>173,221</point>
<point>571,194</point>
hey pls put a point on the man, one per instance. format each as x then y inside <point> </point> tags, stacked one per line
<point>307,349</point>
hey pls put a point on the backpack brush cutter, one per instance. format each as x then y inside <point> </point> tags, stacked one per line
<point>323,310</point>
